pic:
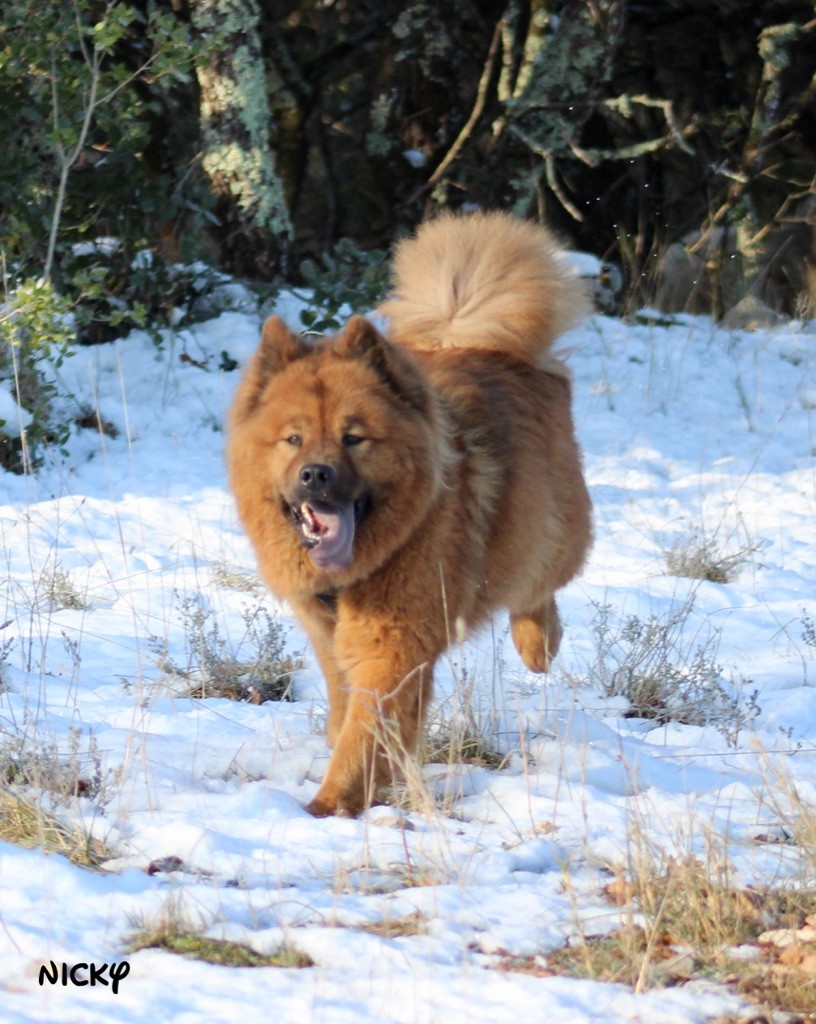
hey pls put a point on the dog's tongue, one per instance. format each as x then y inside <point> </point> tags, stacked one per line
<point>333,550</point>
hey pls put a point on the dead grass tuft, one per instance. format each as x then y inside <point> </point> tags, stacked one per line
<point>57,591</point>
<point>689,920</point>
<point>462,745</point>
<point>699,556</point>
<point>665,676</point>
<point>396,927</point>
<point>25,824</point>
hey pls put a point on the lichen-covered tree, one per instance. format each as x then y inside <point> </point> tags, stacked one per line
<point>253,223</point>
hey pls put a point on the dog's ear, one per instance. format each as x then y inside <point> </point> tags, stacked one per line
<point>279,346</point>
<point>361,340</point>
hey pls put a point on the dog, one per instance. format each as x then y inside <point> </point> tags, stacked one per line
<point>398,488</point>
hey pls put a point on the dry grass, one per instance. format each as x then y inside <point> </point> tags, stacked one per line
<point>214,951</point>
<point>396,927</point>
<point>700,556</point>
<point>25,824</point>
<point>65,771</point>
<point>687,919</point>
<point>534,965</point>
<point>668,671</point>
<point>462,745</point>
<point>33,777</point>
<point>56,590</point>
<point>231,577</point>
<point>240,681</point>
<point>371,881</point>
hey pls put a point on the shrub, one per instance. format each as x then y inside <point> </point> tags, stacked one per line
<point>115,288</point>
<point>86,80</point>
<point>664,678</point>
<point>347,280</point>
<point>255,670</point>
<point>36,334</point>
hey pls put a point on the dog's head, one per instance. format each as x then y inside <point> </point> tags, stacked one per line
<point>340,436</point>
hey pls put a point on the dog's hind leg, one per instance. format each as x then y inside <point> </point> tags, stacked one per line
<point>537,635</point>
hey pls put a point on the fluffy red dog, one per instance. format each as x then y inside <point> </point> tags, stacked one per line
<point>398,489</point>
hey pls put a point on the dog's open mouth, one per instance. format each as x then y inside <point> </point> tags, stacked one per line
<point>328,532</point>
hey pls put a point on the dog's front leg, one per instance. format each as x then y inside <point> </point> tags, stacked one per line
<point>388,673</point>
<point>319,618</point>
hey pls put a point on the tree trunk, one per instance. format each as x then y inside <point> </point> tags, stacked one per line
<point>236,156</point>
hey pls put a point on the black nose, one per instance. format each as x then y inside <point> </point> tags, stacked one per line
<point>316,477</point>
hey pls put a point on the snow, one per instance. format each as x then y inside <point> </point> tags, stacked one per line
<point>583,264</point>
<point>13,419</point>
<point>685,427</point>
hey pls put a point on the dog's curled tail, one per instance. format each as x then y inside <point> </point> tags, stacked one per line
<point>484,280</point>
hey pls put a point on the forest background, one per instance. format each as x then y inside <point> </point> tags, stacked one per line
<point>289,139</point>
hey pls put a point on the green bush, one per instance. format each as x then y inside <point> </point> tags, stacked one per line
<point>89,83</point>
<point>346,280</point>
<point>116,289</point>
<point>36,334</point>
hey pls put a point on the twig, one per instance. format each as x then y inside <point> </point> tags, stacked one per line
<point>623,104</point>
<point>549,170</point>
<point>470,124</point>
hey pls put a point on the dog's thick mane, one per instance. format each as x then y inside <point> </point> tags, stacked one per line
<point>484,280</point>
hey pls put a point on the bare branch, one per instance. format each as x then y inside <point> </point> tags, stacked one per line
<point>475,114</point>
<point>549,170</point>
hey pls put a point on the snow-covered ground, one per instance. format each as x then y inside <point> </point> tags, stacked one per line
<point>688,430</point>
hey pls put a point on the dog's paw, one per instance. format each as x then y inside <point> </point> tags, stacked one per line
<point>320,809</point>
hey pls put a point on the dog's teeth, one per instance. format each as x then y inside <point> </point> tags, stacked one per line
<point>310,524</point>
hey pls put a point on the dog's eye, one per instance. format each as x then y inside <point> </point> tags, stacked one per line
<point>295,440</point>
<point>350,440</point>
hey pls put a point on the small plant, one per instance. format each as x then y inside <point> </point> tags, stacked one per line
<point>454,734</point>
<point>698,556</point>
<point>461,742</point>
<point>534,965</point>
<point>194,946</point>
<point>663,678</point>
<point>371,881</point>
<point>809,631</point>
<point>796,816</point>
<point>6,645</point>
<point>620,957</point>
<point>683,917</point>
<point>56,590</point>
<point>257,670</point>
<point>65,773</point>
<point>347,280</point>
<point>700,903</point>
<point>459,737</point>
<point>36,334</point>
